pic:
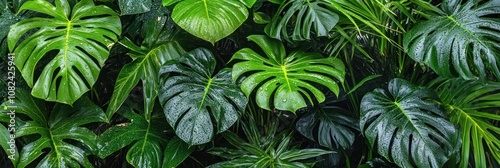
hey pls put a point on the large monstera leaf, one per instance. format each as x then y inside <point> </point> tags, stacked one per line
<point>304,17</point>
<point>407,125</point>
<point>78,41</point>
<point>157,48</point>
<point>210,20</point>
<point>288,77</point>
<point>192,97</point>
<point>60,130</point>
<point>460,40</point>
<point>473,105</point>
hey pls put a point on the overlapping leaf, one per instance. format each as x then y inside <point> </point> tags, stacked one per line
<point>80,38</point>
<point>147,139</point>
<point>210,20</point>
<point>157,48</point>
<point>305,17</point>
<point>473,106</point>
<point>286,79</point>
<point>59,130</point>
<point>192,97</point>
<point>459,40</point>
<point>408,126</point>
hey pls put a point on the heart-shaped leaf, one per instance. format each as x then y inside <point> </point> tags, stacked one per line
<point>147,138</point>
<point>473,105</point>
<point>460,40</point>
<point>77,40</point>
<point>285,78</point>
<point>408,126</point>
<point>157,48</point>
<point>304,17</point>
<point>192,97</point>
<point>59,130</point>
<point>210,20</point>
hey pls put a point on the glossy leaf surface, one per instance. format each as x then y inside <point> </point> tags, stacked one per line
<point>471,105</point>
<point>285,78</point>
<point>192,97</point>
<point>461,39</point>
<point>210,20</point>
<point>407,126</point>
<point>305,17</point>
<point>80,39</point>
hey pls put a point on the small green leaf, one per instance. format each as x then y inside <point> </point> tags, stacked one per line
<point>261,18</point>
<point>176,152</point>
<point>192,97</point>
<point>210,20</point>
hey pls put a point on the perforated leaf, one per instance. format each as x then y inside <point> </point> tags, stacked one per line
<point>75,43</point>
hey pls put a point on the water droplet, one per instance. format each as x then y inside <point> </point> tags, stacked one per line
<point>284,100</point>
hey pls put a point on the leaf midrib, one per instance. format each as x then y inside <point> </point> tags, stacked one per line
<point>454,21</point>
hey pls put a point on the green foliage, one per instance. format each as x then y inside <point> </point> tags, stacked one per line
<point>81,38</point>
<point>461,39</point>
<point>473,106</point>
<point>130,7</point>
<point>192,97</point>
<point>269,150</point>
<point>329,125</point>
<point>54,129</point>
<point>288,77</point>
<point>210,20</point>
<point>407,125</point>
<point>157,48</point>
<point>305,17</point>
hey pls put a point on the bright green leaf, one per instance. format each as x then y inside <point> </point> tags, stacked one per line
<point>210,20</point>
<point>285,78</point>
<point>176,152</point>
<point>81,40</point>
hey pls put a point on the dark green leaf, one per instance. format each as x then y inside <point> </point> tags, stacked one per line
<point>176,152</point>
<point>408,126</point>
<point>130,7</point>
<point>193,96</point>
<point>82,46</point>
<point>462,40</point>
<point>304,17</point>
<point>286,78</point>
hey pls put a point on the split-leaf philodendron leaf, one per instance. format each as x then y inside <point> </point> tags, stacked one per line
<point>286,78</point>
<point>407,125</point>
<point>192,97</point>
<point>459,40</point>
<point>78,41</point>
<point>61,130</point>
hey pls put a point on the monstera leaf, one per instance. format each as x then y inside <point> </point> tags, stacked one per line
<point>473,106</point>
<point>59,130</point>
<point>329,125</point>
<point>302,16</point>
<point>210,20</point>
<point>460,40</point>
<point>157,48</point>
<point>408,126</point>
<point>192,97</point>
<point>78,41</point>
<point>147,138</point>
<point>287,77</point>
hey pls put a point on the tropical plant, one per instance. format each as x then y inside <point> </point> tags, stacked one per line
<point>288,77</point>
<point>81,36</point>
<point>192,96</point>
